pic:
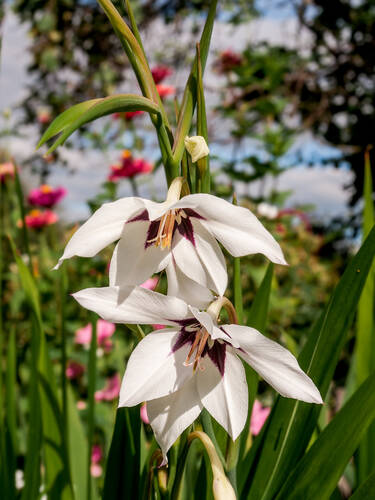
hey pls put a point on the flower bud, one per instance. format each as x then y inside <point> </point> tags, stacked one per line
<point>197,147</point>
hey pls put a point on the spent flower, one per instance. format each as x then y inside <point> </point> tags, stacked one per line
<point>196,147</point>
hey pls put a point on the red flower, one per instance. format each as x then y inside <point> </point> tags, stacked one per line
<point>129,167</point>
<point>160,72</point>
<point>6,170</point>
<point>165,90</point>
<point>38,218</point>
<point>229,60</point>
<point>46,196</point>
<point>74,369</point>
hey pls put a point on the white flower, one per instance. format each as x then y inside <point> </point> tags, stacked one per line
<point>194,364</point>
<point>267,210</point>
<point>196,147</point>
<point>182,232</point>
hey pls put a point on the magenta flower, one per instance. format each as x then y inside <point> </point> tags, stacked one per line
<point>229,60</point>
<point>104,330</point>
<point>96,456</point>
<point>258,417</point>
<point>38,218</point>
<point>160,72</point>
<point>111,390</point>
<point>74,369</point>
<point>46,196</point>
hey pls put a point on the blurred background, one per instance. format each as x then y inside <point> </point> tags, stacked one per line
<point>290,89</point>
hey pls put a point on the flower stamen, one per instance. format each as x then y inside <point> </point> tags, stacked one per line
<point>200,341</point>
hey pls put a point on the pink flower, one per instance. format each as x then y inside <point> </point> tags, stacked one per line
<point>104,330</point>
<point>160,72</point>
<point>46,196</point>
<point>143,412</point>
<point>43,116</point>
<point>150,284</point>
<point>129,167</point>
<point>158,327</point>
<point>6,170</point>
<point>96,454</point>
<point>165,90</point>
<point>111,389</point>
<point>81,405</point>
<point>258,417</point>
<point>96,470</point>
<point>38,218</point>
<point>74,369</point>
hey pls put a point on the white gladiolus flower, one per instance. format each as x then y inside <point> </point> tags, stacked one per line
<point>196,147</point>
<point>182,232</point>
<point>194,364</point>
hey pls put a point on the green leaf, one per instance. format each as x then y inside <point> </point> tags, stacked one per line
<point>10,414</point>
<point>317,474</point>
<point>291,423</point>
<point>190,94</point>
<point>65,119</point>
<point>365,340</point>
<point>105,106</point>
<point>57,476</point>
<point>366,489</point>
<point>123,463</point>
<point>203,163</point>
<point>78,443</point>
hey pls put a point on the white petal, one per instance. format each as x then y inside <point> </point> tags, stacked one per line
<point>274,363</point>
<point>211,256</point>
<point>179,285</point>
<point>153,369</point>
<point>131,262</point>
<point>102,228</point>
<point>133,305</point>
<point>171,415</point>
<point>225,397</point>
<point>187,259</point>
<point>235,227</point>
<point>204,319</point>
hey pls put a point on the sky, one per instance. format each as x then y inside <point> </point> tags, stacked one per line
<point>320,186</point>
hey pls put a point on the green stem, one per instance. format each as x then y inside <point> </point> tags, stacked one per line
<point>91,403</point>
<point>63,290</point>
<point>23,213</point>
<point>209,430</point>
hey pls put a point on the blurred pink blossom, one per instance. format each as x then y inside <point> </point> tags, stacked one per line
<point>160,72</point>
<point>6,170</point>
<point>128,115</point>
<point>96,470</point>
<point>81,405</point>
<point>74,369</point>
<point>104,330</point>
<point>111,389</point>
<point>43,116</point>
<point>158,327</point>
<point>38,218</point>
<point>258,417</point>
<point>150,284</point>
<point>129,167</point>
<point>143,412</point>
<point>229,60</point>
<point>96,454</point>
<point>46,196</point>
<point>165,90</point>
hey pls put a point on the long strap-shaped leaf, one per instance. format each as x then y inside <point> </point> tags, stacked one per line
<point>365,340</point>
<point>366,489</point>
<point>317,474</point>
<point>57,477</point>
<point>190,94</point>
<point>83,113</point>
<point>291,422</point>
